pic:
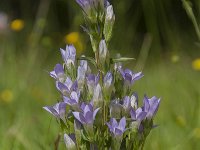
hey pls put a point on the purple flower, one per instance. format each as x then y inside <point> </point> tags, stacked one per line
<point>102,51</point>
<point>91,6</point>
<point>134,100</point>
<point>130,77</point>
<point>67,87</point>
<point>83,69</point>
<point>92,81</point>
<point>150,106</point>
<point>69,55</point>
<point>97,96</point>
<point>137,115</point>
<point>108,79</point>
<point>58,110</point>
<point>88,114</point>
<point>58,73</point>
<point>73,100</point>
<point>126,103</point>
<point>115,128</point>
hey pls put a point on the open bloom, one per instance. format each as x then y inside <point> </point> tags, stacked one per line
<point>58,110</point>
<point>115,128</point>
<point>58,73</point>
<point>67,87</point>
<point>130,76</point>
<point>91,6</point>
<point>137,115</point>
<point>73,100</point>
<point>150,106</point>
<point>88,114</point>
<point>69,55</point>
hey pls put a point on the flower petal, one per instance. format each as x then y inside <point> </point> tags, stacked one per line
<point>122,124</point>
<point>79,117</point>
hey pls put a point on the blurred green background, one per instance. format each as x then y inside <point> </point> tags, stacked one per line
<point>160,34</point>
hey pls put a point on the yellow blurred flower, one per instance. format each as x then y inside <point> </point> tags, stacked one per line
<point>180,120</point>
<point>17,25</point>
<point>72,37</point>
<point>196,133</point>
<point>196,64</point>
<point>175,58</point>
<point>6,96</point>
<point>75,39</point>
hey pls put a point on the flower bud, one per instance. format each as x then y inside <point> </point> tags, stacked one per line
<point>97,96</point>
<point>102,51</point>
<point>109,22</point>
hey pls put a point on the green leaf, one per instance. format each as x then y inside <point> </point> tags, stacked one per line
<point>122,59</point>
<point>84,137</point>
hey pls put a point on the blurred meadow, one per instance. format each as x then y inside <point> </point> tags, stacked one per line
<point>163,36</point>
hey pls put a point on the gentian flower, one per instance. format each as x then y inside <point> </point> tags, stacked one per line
<point>86,117</point>
<point>58,110</point>
<point>88,114</point>
<point>109,22</point>
<point>127,103</point>
<point>73,100</point>
<point>134,100</point>
<point>108,79</point>
<point>92,81</point>
<point>115,128</point>
<point>137,115</point>
<point>102,51</point>
<point>90,6</point>
<point>150,106</point>
<point>97,96</point>
<point>58,73</point>
<point>69,55</point>
<point>67,87</point>
<point>130,77</point>
<point>83,69</point>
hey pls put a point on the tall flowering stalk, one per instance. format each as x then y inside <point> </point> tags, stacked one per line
<point>98,108</point>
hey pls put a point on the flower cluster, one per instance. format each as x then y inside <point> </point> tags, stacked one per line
<point>98,107</point>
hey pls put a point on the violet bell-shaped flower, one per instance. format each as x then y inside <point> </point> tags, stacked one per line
<point>67,87</point>
<point>92,81</point>
<point>69,55</point>
<point>73,101</point>
<point>115,128</point>
<point>58,73</point>
<point>109,23</point>
<point>108,79</point>
<point>88,114</point>
<point>130,76</point>
<point>58,110</point>
<point>97,96</point>
<point>137,115</point>
<point>90,7</point>
<point>83,69</point>
<point>150,106</point>
<point>108,85</point>
<point>102,51</point>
